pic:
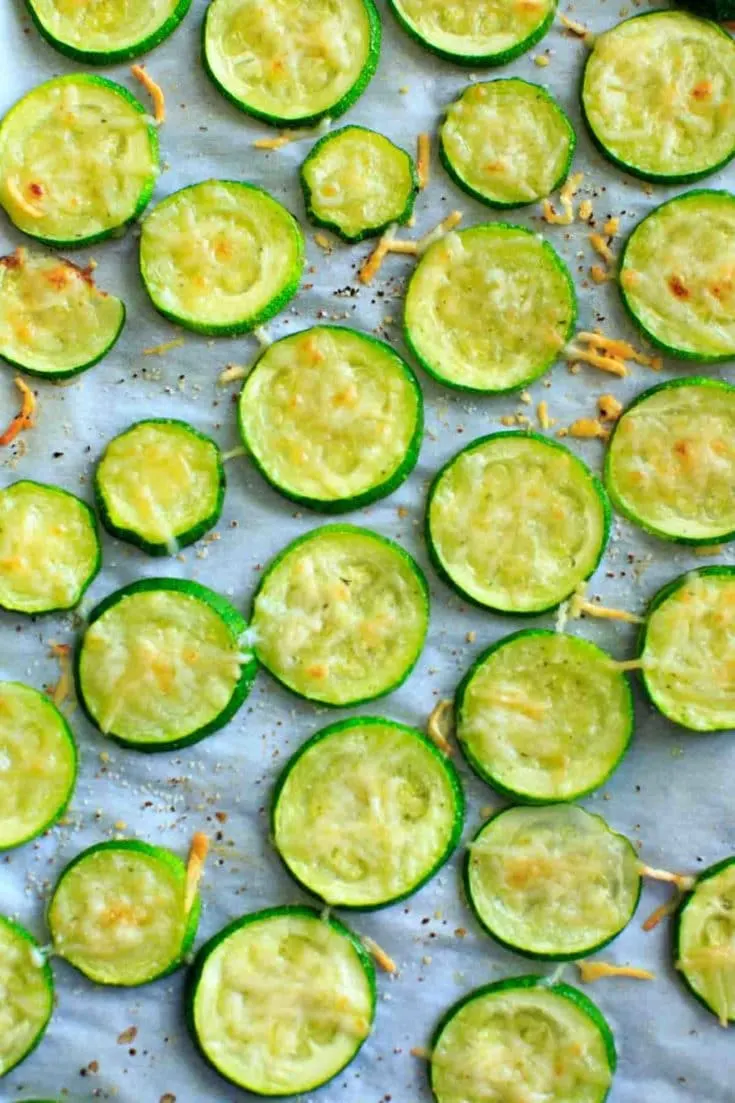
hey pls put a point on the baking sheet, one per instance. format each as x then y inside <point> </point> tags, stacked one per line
<point>672,794</point>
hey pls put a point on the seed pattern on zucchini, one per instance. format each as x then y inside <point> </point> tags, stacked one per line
<point>27,990</point>
<point>676,275</point>
<point>281,1001</point>
<point>489,309</point>
<point>657,96</point>
<point>163,664</point>
<point>221,257</point>
<point>78,160</point>
<point>366,812</point>
<point>109,31</point>
<point>704,941</point>
<point>476,32</point>
<point>543,716</point>
<point>290,63</point>
<point>332,418</point>
<point>515,522</point>
<point>49,548</point>
<point>341,615</point>
<point>507,142</point>
<point>160,485</point>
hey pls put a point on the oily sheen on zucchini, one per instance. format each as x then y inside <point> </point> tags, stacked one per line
<point>704,940</point>
<point>107,32</point>
<point>476,32</point>
<point>27,987</point>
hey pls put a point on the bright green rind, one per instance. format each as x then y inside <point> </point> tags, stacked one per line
<point>112,57</point>
<point>501,58</point>
<point>48,978</point>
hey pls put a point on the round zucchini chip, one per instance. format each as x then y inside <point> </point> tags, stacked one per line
<point>366,812</point>
<point>704,940</point>
<point>27,987</point>
<point>670,466</point>
<point>38,760</point>
<point>160,485</point>
<point>542,716</point>
<point>489,309</point>
<point>475,32</point>
<point>676,276</point>
<point>657,95</point>
<point>549,1041</point>
<point>108,31</point>
<point>49,548</point>
<point>332,418</point>
<point>552,882</point>
<point>221,257</point>
<point>121,913</point>
<point>78,160</point>
<point>54,320</point>
<point>515,522</point>
<point>341,615</point>
<point>688,649</point>
<point>507,142</point>
<point>357,182</point>
<point>163,664</point>
<point>281,1001</point>
<point>290,63</point>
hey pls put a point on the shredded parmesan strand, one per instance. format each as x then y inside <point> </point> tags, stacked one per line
<point>712,549</point>
<point>263,337</point>
<point>288,136</point>
<point>389,243</point>
<point>154,90</point>
<point>577,28</point>
<point>386,963</point>
<point>321,239</point>
<point>600,246</point>
<point>585,209</point>
<point>581,605</point>
<point>596,360</point>
<point>619,348</point>
<point>445,227</point>
<point>195,868</point>
<point>627,664</point>
<point>588,428</point>
<point>542,412</point>
<point>373,264</point>
<point>233,454</point>
<point>437,727</point>
<point>422,1052</point>
<point>423,160</point>
<point>590,971</point>
<point>231,373</point>
<point>167,346</point>
<point>681,880</point>
<point>24,419</point>
<point>64,688</point>
<point>661,912</point>
<point>611,227</point>
<point>274,143</point>
<point>610,408</point>
<point>598,274</point>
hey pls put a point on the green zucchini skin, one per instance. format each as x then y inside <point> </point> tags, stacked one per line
<point>723,11</point>
<point>468,60</point>
<point>111,57</point>
<point>48,980</point>
<point>685,901</point>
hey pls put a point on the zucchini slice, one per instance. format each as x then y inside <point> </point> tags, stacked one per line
<point>108,31</point>
<point>507,142</point>
<point>366,812</point>
<point>221,257</point>
<point>27,991</point>
<point>688,649</point>
<point>332,418</point>
<point>670,467</point>
<point>704,939</point>
<point>78,160</point>
<point>160,485</point>
<point>341,615</point>
<point>357,182</point>
<point>290,63</point>
<point>523,1038</point>
<point>489,309</point>
<point>476,32</point>
<point>657,96</point>
<point>281,1000</point>
<point>39,764</point>
<point>515,522</point>
<point>163,664</point>
<point>54,320</point>
<point>119,913</point>
<point>49,548</point>
<point>542,716</point>
<point>676,276</point>
<point>552,882</point>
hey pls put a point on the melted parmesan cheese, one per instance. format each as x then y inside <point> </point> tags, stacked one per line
<point>707,942</point>
<point>481,27</point>
<point>103,25</point>
<point>26,999</point>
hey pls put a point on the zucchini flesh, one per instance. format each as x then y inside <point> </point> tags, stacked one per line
<point>332,418</point>
<point>38,763</point>
<point>544,717</point>
<point>485,32</point>
<point>489,309</point>
<point>27,988</point>
<point>366,812</point>
<point>106,31</point>
<point>657,96</point>
<point>705,939</point>
<point>507,142</point>
<point>78,160</point>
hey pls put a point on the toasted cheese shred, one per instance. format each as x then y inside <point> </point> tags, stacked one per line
<point>599,274</point>
<point>422,1052</point>
<point>24,419</point>
<point>195,868</point>
<point>274,143</point>
<point>617,347</point>
<point>167,346</point>
<point>590,971</point>
<point>588,428</point>
<point>542,412</point>
<point>683,882</point>
<point>154,90</point>
<point>374,263</point>
<point>596,360</point>
<point>566,195</point>
<point>600,246</point>
<point>389,243</point>
<point>63,691</point>
<point>323,241</point>
<point>611,227</point>
<point>577,29</point>
<point>579,604</point>
<point>423,160</point>
<point>439,725</point>
<point>585,209</point>
<point>712,549</point>
<point>445,227</point>
<point>661,913</point>
<point>627,664</point>
<point>610,408</point>
<point>231,373</point>
<point>386,963</point>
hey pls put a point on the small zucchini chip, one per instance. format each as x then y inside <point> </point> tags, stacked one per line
<point>676,275</point>
<point>489,309</point>
<point>290,63</point>
<point>163,663</point>
<point>549,1041</point>
<point>332,418</point>
<point>160,485</point>
<point>357,182</point>
<point>366,812</point>
<point>515,522</point>
<point>120,915</point>
<point>291,975</point>
<point>657,96</point>
<point>542,716</point>
<point>475,32</point>
<point>688,650</point>
<point>670,466</point>
<point>341,615</point>
<point>704,940</point>
<point>27,986</point>
<point>49,548</point>
<point>221,257</point>
<point>78,160</point>
<point>507,142</point>
<point>109,32</point>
